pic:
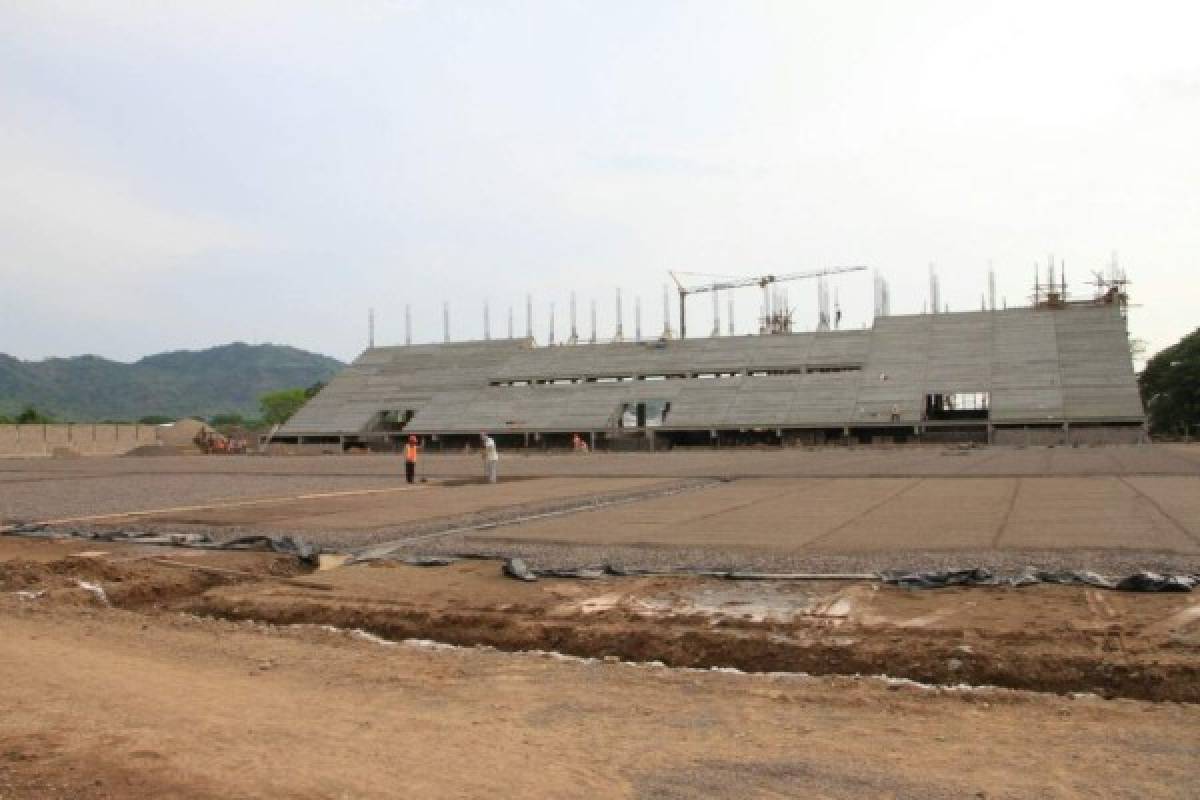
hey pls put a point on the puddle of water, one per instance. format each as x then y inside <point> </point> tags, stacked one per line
<point>840,607</point>
<point>760,602</point>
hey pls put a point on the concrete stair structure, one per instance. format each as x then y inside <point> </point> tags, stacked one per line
<point>1035,367</point>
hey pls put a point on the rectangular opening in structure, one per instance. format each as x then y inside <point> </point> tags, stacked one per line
<point>644,414</point>
<point>394,420</point>
<point>957,405</point>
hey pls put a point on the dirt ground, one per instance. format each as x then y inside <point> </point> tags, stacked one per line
<point>193,683</point>
<point>143,671</point>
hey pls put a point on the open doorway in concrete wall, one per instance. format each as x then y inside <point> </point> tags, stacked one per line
<point>392,421</point>
<point>957,405</point>
<point>644,414</point>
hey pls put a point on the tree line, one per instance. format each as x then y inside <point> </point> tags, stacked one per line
<point>275,408</point>
<point>1170,387</point>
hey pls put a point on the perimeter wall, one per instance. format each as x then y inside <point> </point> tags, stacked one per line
<point>74,439</point>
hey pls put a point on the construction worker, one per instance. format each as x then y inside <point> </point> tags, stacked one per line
<point>410,459</point>
<point>491,458</point>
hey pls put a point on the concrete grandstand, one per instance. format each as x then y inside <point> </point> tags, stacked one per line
<point>1017,376</point>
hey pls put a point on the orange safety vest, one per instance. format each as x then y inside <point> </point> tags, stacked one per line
<point>410,453</point>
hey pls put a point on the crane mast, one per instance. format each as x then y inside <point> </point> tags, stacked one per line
<point>764,282</point>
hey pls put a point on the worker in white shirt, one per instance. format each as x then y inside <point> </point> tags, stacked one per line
<point>491,458</point>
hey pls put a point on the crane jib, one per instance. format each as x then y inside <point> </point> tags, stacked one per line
<point>762,281</point>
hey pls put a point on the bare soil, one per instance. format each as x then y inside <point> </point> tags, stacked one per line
<point>1043,638</point>
<point>105,702</point>
<point>137,671</point>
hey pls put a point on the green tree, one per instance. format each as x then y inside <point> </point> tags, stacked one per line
<point>31,416</point>
<point>1170,386</point>
<point>5,420</point>
<point>278,407</point>
<point>155,419</point>
<point>312,391</point>
<point>227,420</point>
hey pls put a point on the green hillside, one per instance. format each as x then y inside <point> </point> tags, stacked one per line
<point>201,383</point>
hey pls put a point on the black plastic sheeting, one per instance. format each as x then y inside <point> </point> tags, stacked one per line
<point>286,545</point>
<point>518,568</point>
<point>1138,582</point>
<point>430,561</point>
<point>978,576</point>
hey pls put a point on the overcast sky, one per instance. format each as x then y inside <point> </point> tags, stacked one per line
<point>180,175</point>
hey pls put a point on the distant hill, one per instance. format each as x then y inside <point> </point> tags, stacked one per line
<point>225,379</point>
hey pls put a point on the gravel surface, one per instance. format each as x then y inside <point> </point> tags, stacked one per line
<point>923,460</point>
<point>1106,562</point>
<point>110,494</point>
<point>49,488</point>
<point>340,540</point>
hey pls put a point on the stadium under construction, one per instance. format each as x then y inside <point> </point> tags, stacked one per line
<point>1055,372</point>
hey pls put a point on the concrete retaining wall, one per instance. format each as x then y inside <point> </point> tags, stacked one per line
<point>85,439</point>
<point>1107,434</point>
<point>1035,436</point>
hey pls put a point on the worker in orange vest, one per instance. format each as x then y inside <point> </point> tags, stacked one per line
<point>410,459</point>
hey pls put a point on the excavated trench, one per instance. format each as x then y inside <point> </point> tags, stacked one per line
<point>1012,661</point>
<point>1105,660</point>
